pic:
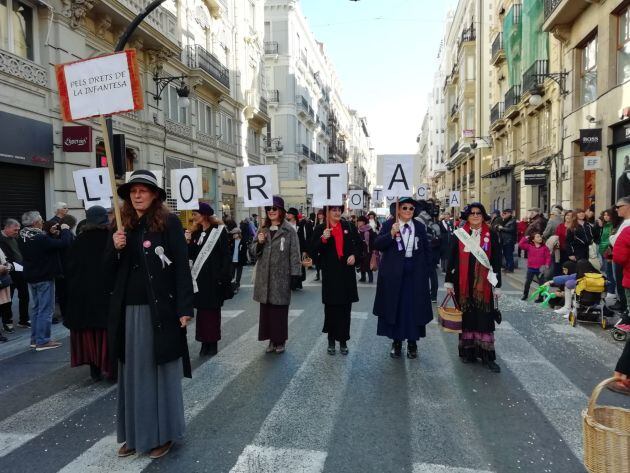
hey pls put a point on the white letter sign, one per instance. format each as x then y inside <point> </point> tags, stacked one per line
<point>423,191</point>
<point>377,195</point>
<point>397,176</point>
<point>327,182</point>
<point>100,86</point>
<point>454,199</point>
<point>93,187</point>
<point>355,200</point>
<point>256,183</point>
<point>186,187</point>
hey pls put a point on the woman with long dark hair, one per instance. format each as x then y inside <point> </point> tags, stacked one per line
<point>368,236</point>
<point>208,248</point>
<point>579,236</point>
<point>278,270</point>
<point>150,306</point>
<point>474,278</point>
<point>561,232</point>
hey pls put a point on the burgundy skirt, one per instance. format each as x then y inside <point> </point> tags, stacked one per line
<point>208,325</point>
<point>89,347</point>
<point>274,323</point>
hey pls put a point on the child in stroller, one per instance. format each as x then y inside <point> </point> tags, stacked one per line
<point>564,286</point>
<point>588,302</point>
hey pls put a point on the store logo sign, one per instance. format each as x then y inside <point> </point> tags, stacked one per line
<point>591,140</point>
<point>77,139</point>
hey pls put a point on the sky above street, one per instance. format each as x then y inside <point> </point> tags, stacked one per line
<point>385,54</point>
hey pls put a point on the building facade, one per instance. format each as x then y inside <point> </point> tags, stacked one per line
<point>215,46</point>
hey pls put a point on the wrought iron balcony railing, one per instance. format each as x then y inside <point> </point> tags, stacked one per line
<point>550,6</point>
<point>496,113</point>
<point>271,47</point>
<point>198,57</point>
<point>534,76</point>
<point>513,96</point>
<point>497,45</point>
<point>454,148</point>
<point>273,96</point>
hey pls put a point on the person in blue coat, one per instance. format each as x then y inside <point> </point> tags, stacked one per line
<point>403,303</point>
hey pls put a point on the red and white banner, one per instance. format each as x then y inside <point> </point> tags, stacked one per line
<point>104,85</point>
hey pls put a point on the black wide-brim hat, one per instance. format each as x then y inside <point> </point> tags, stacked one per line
<point>141,176</point>
<point>405,200</point>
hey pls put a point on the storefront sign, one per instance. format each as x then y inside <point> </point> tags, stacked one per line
<point>592,163</point>
<point>590,140</point>
<point>25,141</point>
<point>535,177</point>
<point>77,139</point>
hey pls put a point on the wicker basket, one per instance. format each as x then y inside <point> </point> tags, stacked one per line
<point>606,435</point>
<point>450,318</point>
<point>307,262</point>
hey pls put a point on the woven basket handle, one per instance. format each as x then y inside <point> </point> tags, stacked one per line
<point>452,297</point>
<point>596,392</point>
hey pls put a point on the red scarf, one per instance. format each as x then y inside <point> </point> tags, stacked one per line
<point>481,289</point>
<point>337,233</point>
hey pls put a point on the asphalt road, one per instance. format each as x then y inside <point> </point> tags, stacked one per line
<point>307,411</point>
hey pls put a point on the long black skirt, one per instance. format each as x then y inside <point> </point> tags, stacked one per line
<point>274,323</point>
<point>337,321</point>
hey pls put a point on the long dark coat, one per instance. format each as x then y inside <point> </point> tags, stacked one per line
<point>169,291</point>
<point>390,273</point>
<point>368,250</point>
<point>339,281</point>
<point>215,273</point>
<point>277,262</point>
<point>305,235</point>
<point>88,292</point>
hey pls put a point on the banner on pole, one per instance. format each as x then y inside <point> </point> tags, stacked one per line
<point>328,183</point>
<point>186,188</point>
<point>99,86</point>
<point>257,185</point>
<point>398,176</point>
<point>355,200</point>
<point>93,187</point>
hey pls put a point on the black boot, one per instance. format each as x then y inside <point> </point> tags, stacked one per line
<point>412,350</point>
<point>213,349</point>
<point>396,350</point>
<point>331,347</point>
<point>343,348</point>
<point>492,366</point>
<point>95,373</point>
<point>205,349</point>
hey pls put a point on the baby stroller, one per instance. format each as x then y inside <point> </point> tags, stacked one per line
<point>588,305</point>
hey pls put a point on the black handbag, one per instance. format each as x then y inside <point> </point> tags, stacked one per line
<point>496,313</point>
<point>5,280</point>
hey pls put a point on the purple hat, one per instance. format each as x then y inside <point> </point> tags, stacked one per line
<point>205,209</point>
<point>278,202</point>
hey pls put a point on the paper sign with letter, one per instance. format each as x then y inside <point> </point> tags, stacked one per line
<point>355,200</point>
<point>422,192</point>
<point>327,182</point>
<point>377,195</point>
<point>397,176</point>
<point>257,185</point>
<point>100,86</point>
<point>186,187</point>
<point>454,199</point>
<point>93,187</point>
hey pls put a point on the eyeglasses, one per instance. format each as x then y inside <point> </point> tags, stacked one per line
<point>407,207</point>
<point>476,213</point>
<point>271,209</point>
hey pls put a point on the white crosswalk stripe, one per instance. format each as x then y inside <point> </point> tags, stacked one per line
<point>433,468</point>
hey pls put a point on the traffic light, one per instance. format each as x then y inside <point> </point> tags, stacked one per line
<point>120,155</point>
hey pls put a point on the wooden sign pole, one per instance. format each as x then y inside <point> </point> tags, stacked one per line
<point>110,167</point>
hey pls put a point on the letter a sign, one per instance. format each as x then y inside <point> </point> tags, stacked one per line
<point>398,176</point>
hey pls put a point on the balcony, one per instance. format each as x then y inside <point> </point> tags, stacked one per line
<point>512,99</point>
<point>24,69</point>
<point>496,116</point>
<point>273,96</point>
<point>533,76</point>
<point>562,12</point>
<point>303,150</point>
<point>302,105</point>
<point>498,53</point>
<point>454,149</point>
<point>271,47</point>
<point>263,106</point>
<point>199,58</point>
<point>468,35</point>
<point>454,113</point>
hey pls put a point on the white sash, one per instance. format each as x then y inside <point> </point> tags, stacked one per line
<point>205,251</point>
<point>471,244</point>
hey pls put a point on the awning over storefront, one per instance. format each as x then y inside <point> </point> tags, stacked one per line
<point>26,142</point>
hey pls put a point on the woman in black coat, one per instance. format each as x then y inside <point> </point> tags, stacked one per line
<point>337,249</point>
<point>150,306</point>
<point>211,277</point>
<point>88,296</point>
<point>403,302</point>
<point>579,236</point>
<point>368,237</point>
<point>470,282</point>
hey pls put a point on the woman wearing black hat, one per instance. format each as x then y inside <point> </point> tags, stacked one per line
<point>208,248</point>
<point>403,302</point>
<point>278,270</point>
<point>150,306</point>
<point>337,249</point>
<point>473,276</point>
<point>88,296</point>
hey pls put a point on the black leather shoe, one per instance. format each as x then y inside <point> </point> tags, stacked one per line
<point>396,350</point>
<point>492,366</point>
<point>204,351</point>
<point>524,298</point>
<point>331,347</point>
<point>343,348</point>
<point>212,349</point>
<point>412,351</point>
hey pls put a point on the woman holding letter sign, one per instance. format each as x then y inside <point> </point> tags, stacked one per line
<point>150,306</point>
<point>473,276</point>
<point>278,270</point>
<point>337,249</point>
<point>403,303</point>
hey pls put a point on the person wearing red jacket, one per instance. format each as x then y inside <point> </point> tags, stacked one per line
<point>621,257</point>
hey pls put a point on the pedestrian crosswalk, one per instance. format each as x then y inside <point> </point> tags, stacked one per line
<point>447,417</point>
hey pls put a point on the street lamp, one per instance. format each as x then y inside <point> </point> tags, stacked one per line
<point>537,92</point>
<point>183,91</point>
